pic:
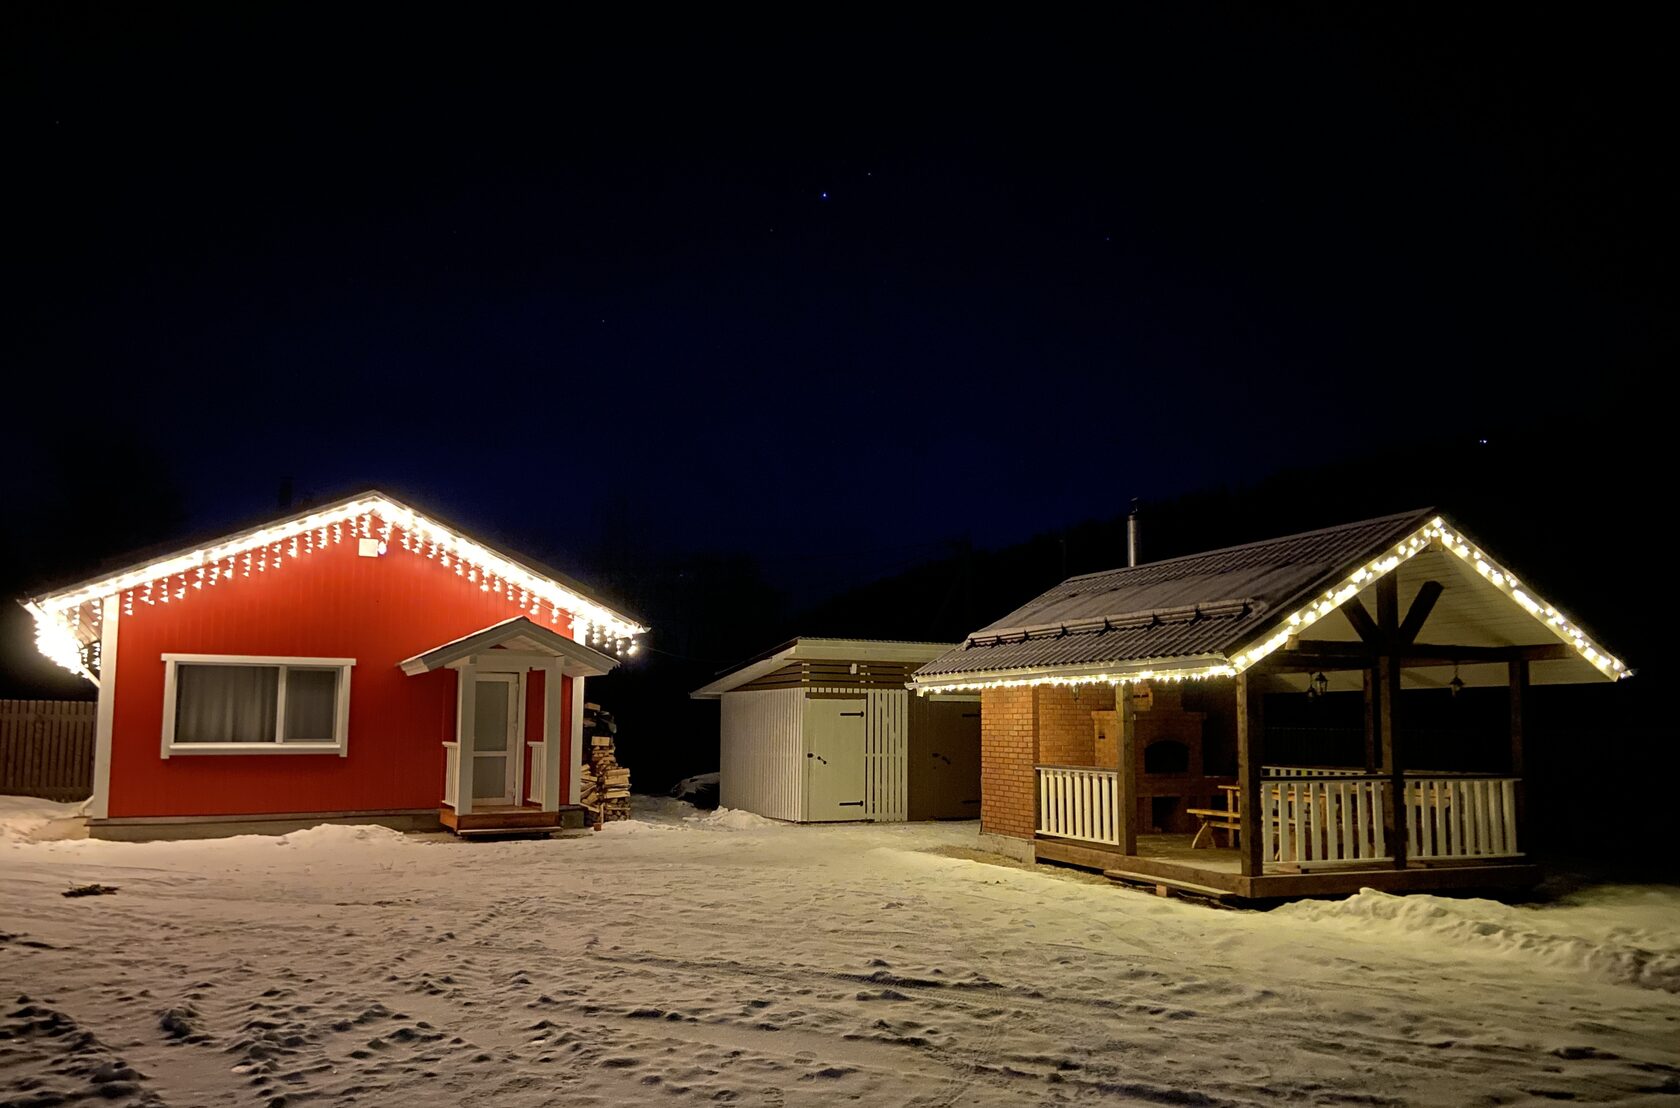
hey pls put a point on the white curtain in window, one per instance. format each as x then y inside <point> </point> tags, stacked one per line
<point>311,700</point>
<point>226,704</point>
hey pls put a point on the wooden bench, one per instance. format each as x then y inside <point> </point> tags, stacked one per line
<point>1214,819</point>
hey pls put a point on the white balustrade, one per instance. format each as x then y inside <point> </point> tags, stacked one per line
<point>451,773</point>
<point>1460,816</point>
<point>1323,819</point>
<point>539,760</point>
<point>1076,802</point>
<point>1314,817</point>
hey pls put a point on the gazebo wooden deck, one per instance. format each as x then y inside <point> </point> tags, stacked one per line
<point>1083,687</point>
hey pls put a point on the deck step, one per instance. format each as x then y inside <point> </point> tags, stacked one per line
<point>506,832</point>
<point>500,821</point>
<point>1130,878</point>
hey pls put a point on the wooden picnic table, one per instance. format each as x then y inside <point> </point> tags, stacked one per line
<point>1227,819</point>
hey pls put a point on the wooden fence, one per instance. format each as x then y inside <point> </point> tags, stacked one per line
<point>46,748</point>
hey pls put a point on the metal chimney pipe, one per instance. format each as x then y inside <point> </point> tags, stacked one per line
<point>1131,535</point>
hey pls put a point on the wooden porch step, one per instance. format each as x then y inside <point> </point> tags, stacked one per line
<point>1129,878</point>
<point>499,819</point>
<point>507,832</point>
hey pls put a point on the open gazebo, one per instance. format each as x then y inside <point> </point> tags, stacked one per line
<point>1148,721</point>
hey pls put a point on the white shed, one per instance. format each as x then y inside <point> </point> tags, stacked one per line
<point>824,730</point>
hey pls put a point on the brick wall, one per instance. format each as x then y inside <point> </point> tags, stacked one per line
<point>1008,752</point>
<point>1049,725</point>
<point>1066,732</point>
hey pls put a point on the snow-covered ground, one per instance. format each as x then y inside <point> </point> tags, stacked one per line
<point>686,958</point>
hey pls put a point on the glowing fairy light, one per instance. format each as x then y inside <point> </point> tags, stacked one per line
<point>1435,534</point>
<point>63,633</point>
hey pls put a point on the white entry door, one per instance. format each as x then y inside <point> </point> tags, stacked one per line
<point>834,759</point>
<point>496,739</point>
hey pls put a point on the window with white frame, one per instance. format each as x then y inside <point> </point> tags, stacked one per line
<point>239,704</point>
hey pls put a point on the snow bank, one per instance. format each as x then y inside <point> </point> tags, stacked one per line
<point>1621,936</point>
<point>333,835</point>
<point>731,819</point>
<point>25,819</point>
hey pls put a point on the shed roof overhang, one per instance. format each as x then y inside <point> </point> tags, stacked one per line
<point>828,650</point>
<point>516,636</point>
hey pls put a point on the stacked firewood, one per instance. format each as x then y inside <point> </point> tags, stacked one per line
<point>606,784</point>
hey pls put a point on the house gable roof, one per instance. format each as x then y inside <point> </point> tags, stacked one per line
<point>67,619</point>
<point>1218,612</point>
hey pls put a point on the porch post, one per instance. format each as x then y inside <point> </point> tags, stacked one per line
<point>580,757</point>
<point>1251,752</point>
<point>466,711</point>
<point>1388,700</point>
<point>552,723</point>
<point>1125,749</point>
<point>1371,693</point>
<point>1519,698</point>
<point>1394,797</point>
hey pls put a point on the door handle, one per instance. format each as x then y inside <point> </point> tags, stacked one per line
<point>849,804</point>
<point>860,716</point>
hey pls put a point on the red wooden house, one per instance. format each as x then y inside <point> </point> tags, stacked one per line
<point>355,661</point>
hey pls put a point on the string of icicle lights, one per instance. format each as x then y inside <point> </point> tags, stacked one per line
<point>64,622</point>
<point>1434,533</point>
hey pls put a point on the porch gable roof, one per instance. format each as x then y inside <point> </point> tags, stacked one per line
<point>517,635</point>
<point>1219,612</point>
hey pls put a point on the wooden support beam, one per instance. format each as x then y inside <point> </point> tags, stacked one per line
<point>580,756</point>
<point>466,712</point>
<point>554,746</point>
<point>1363,624</point>
<point>1251,753</point>
<point>1333,654</point>
<point>1126,755</point>
<point>1418,614</point>
<point>1369,674</point>
<point>1519,702</point>
<point>1388,605</point>
<point>1393,759</point>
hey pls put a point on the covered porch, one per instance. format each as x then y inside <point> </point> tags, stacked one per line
<point>1307,715</point>
<point>1447,814</point>
<point>515,763</point>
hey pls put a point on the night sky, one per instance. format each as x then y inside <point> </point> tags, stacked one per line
<point>828,301</point>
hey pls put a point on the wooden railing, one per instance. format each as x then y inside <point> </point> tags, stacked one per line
<point>451,773</point>
<point>1308,771</point>
<point>534,784</point>
<point>1078,802</point>
<point>46,748</point>
<point>1323,819</point>
<point>1461,816</point>
<point>1317,817</point>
